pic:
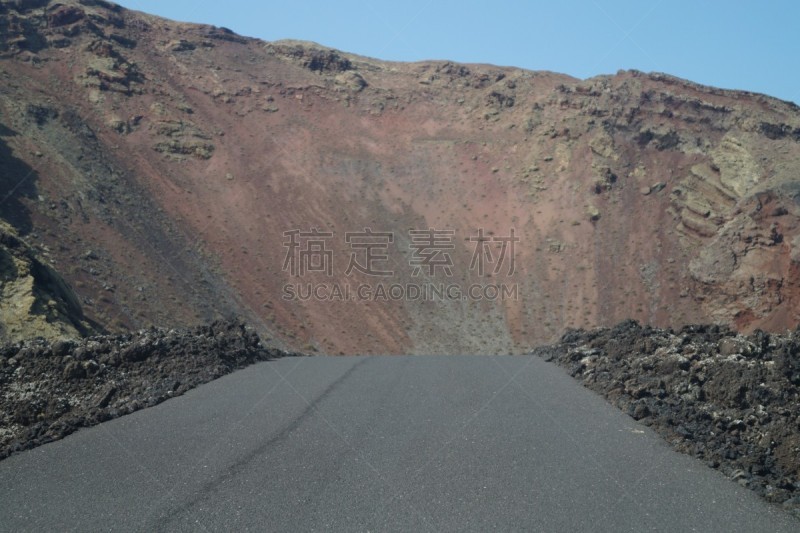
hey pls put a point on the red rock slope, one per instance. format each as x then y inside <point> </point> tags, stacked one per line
<point>157,166</point>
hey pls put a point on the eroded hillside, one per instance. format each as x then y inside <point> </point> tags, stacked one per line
<point>161,167</point>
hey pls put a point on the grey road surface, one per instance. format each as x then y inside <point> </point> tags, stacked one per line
<point>376,444</point>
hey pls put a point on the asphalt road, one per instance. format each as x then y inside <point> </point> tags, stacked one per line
<point>376,444</point>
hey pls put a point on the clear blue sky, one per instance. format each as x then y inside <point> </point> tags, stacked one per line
<point>732,44</point>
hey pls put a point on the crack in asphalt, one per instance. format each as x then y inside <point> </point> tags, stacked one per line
<point>240,465</point>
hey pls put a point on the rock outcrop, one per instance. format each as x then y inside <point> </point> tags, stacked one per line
<point>35,301</point>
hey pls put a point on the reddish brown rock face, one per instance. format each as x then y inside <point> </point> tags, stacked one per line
<point>180,155</point>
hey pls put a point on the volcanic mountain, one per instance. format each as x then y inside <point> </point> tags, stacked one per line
<point>156,172</point>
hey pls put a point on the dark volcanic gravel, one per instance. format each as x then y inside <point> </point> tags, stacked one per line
<point>728,399</point>
<point>48,390</point>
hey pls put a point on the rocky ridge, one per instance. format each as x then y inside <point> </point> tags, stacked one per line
<point>51,389</point>
<point>730,400</point>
